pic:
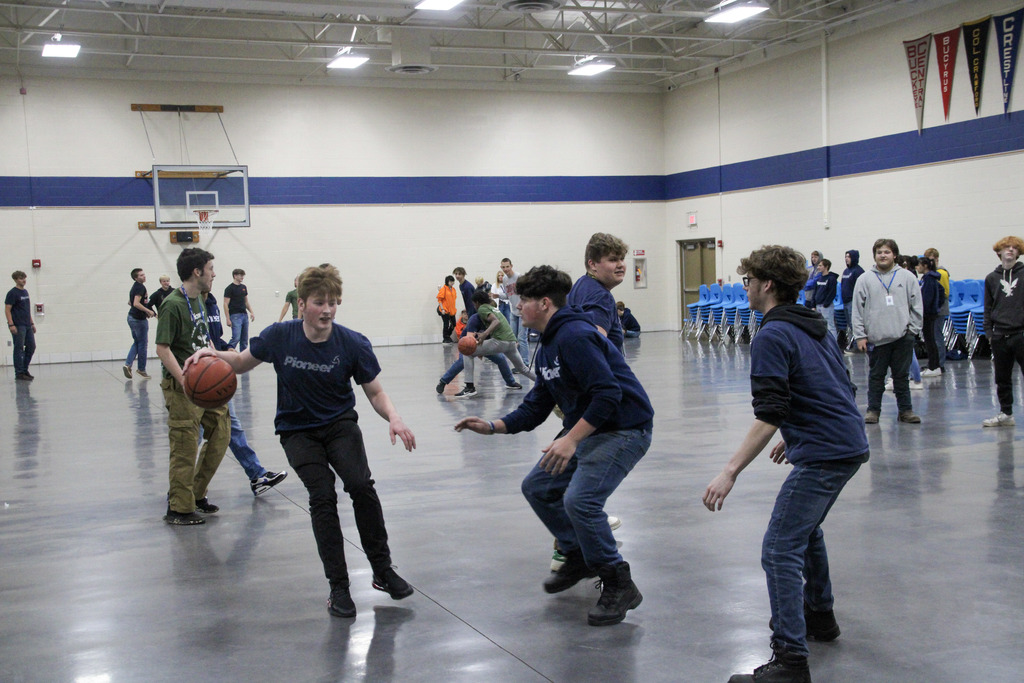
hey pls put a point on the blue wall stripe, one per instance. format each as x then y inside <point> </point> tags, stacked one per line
<point>974,138</point>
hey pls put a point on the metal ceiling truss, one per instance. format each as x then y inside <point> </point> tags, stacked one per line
<point>652,42</point>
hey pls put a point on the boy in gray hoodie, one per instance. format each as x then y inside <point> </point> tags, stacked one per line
<point>887,316</point>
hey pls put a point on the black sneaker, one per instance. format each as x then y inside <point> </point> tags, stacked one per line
<point>29,374</point>
<point>23,376</point>
<point>440,387</point>
<point>266,481</point>
<point>469,390</point>
<point>514,385</point>
<point>821,626</point>
<point>618,595</point>
<point>340,604</point>
<point>205,506</point>
<point>783,667</point>
<point>391,583</point>
<point>183,518</point>
<point>573,570</point>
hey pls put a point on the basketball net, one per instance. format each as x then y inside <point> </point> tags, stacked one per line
<point>204,217</point>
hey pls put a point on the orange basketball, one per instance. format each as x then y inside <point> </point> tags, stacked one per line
<point>467,345</point>
<point>210,382</point>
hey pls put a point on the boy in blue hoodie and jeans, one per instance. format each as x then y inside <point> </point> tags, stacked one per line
<point>801,388</point>
<point>606,431</point>
<point>849,281</point>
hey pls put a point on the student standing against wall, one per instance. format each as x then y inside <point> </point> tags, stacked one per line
<point>236,305</point>
<point>139,313</point>
<point>18,310</point>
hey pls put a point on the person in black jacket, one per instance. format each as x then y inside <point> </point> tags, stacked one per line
<point>932,298</point>
<point>1004,324</point>
<point>606,431</point>
<point>849,279</point>
<point>630,325</point>
<point>825,294</point>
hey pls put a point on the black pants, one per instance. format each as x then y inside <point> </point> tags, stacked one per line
<point>312,454</point>
<point>1006,351</point>
<point>449,326</point>
<point>930,342</point>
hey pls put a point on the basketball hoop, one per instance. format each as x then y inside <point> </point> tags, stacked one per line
<point>204,217</point>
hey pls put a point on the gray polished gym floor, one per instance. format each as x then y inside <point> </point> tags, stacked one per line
<point>926,543</point>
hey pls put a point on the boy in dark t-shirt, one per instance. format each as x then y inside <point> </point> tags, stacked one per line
<point>239,312</point>
<point>139,313</point>
<point>316,361</point>
<point>18,311</point>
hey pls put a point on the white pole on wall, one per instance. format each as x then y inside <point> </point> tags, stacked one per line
<point>826,218</point>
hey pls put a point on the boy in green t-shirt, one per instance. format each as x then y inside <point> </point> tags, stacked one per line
<point>496,338</point>
<point>291,299</point>
<point>181,331</point>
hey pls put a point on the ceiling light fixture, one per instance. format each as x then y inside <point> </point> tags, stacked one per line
<point>732,13</point>
<point>55,48</point>
<point>345,59</point>
<point>439,5</point>
<point>590,66</point>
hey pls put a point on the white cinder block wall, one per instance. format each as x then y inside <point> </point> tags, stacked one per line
<point>961,207</point>
<point>394,257</point>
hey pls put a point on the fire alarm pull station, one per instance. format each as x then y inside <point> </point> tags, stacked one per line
<point>36,263</point>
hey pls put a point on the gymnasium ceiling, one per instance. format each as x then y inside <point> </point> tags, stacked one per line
<point>656,45</point>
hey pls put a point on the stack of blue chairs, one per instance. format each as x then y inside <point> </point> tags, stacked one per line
<point>742,309</point>
<point>839,311</point>
<point>704,310</point>
<point>720,312</point>
<point>693,310</point>
<point>971,298</point>
<point>731,311</point>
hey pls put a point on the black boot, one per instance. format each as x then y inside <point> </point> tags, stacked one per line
<point>618,594</point>
<point>783,667</point>
<point>821,626</point>
<point>572,571</point>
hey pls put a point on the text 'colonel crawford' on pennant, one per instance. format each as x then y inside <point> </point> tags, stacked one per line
<point>975,42</point>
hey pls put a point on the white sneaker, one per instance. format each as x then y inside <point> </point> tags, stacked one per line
<point>931,373</point>
<point>917,386</point>
<point>888,384</point>
<point>614,522</point>
<point>1000,420</point>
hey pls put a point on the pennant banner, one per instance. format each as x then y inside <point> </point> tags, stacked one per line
<point>975,42</point>
<point>1008,39</point>
<point>945,52</point>
<point>917,60</point>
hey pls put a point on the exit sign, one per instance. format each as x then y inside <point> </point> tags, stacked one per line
<point>638,252</point>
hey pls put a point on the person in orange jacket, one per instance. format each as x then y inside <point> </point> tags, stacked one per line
<point>446,308</point>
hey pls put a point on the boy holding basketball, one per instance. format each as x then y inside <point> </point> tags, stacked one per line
<point>316,361</point>
<point>182,329</point>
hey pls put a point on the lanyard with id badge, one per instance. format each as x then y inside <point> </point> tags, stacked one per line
<point>888,297</point>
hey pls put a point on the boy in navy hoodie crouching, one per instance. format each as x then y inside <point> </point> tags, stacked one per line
<point>606,431</point>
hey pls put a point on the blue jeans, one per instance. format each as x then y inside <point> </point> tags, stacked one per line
<point>940,341</point>
<point>571,504</point>
<point>498,359</point>
<point>793,552</point>
<point>239,331</point>
<point>522,333</point>
<point>24,346</point>
<point>140,342</point>
<point>830,318</point>
<point>505,310</point>
<point>240,448</point>
<point>896,356</point>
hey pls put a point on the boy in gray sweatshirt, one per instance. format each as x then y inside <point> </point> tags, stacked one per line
<point>887,316</point>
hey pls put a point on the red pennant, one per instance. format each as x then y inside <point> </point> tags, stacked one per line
<point>945,53</point>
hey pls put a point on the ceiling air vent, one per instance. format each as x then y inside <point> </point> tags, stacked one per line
<point>530,6</point>
<point>410,52</point>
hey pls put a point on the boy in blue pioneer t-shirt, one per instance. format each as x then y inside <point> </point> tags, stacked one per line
<point>315,360</point>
